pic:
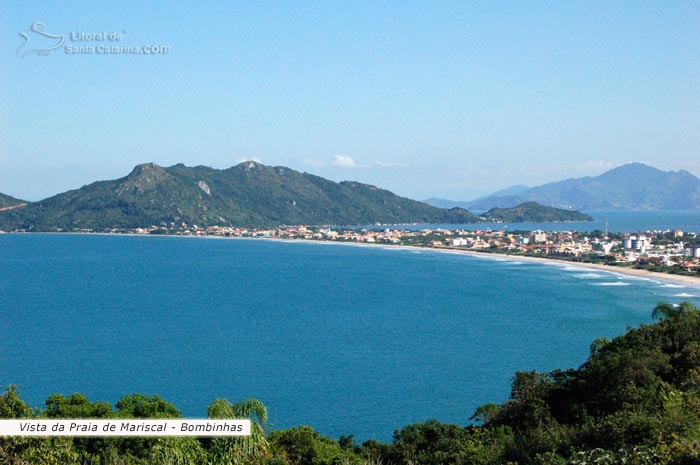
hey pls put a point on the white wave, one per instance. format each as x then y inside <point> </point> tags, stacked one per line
<point>571,268</point>
<point>684,294</point>
<point>614,283</point>
<point>589,276</point>
<point>673,286</point>
<point>631,277</point>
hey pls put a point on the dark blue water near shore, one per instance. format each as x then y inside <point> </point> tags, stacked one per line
<point>347,339</point>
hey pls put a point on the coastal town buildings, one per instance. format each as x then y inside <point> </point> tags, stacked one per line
<point>670,248</point>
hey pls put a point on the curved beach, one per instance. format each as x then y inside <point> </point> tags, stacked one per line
<point>691,281</point>
<point>674,278</point>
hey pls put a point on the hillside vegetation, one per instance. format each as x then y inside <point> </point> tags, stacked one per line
<point>531,212</point>
<point>7,201</point>
<point>247,195</point>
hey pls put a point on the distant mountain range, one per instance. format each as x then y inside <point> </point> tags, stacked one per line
<point>247,195</point>
<point>634,186</point>
<point>444,203</point>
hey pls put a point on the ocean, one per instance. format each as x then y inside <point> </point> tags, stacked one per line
<point>347,339</point>
<point>617,221</point>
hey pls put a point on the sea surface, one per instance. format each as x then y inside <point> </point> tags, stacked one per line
<point>617,221</point>
<point>348,339</point>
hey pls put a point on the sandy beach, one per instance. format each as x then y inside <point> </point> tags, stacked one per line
<point>690,281</point>
<point>672,278</point>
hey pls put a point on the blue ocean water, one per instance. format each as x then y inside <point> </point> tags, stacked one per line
<point>347,339</point>
<point>617,221</point>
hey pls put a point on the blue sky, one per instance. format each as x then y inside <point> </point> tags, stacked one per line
<point>446,99</point>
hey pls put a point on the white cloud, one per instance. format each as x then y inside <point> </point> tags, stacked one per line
<point>390,164</point>
<point>343,161</point>
<point>243,160</point>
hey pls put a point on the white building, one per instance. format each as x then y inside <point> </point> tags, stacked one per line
<point>636,242</point>
<point>695,251</point>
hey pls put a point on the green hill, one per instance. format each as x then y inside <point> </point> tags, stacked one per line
<point>7,201</point>
<point>249,195</point>
<point>531,212</point>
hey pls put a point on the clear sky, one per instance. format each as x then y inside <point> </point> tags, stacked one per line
<point>443,99</point>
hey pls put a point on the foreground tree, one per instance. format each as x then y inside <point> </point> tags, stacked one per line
<point>664,310</point>
<point>246,450</point>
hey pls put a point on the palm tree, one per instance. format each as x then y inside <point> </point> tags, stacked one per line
<point>253,449</point>
<point>664,310</point>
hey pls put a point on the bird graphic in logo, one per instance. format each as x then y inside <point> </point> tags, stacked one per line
<point>42,43</point>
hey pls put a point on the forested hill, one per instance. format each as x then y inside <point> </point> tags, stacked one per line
<point>6,201</point>
<point>249,194</point>
<point>534,213</point>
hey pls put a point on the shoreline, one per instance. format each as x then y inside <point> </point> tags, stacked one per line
<point>689,281</point>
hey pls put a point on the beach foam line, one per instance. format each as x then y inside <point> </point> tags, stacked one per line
<point>589,275</point>
<point>632,277</point>
<point>628,273</point>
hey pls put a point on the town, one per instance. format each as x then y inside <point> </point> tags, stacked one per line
<point>669,251</point>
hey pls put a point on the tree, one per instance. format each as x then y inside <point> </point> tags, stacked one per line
<point>598,344</point>
<point>11,406</point>
<point>142,406</point>
<point>664,310</point>
<point>253,449</point>
<point>76,405</point>
<point>485,413</point>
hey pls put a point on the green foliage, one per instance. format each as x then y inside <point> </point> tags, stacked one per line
<point>634,456</point>
<point>247,195</point>
<point>486,413</point>
<point>438,443</point>
<point>11,406</point>
<point>304,446</point>
<point>142,406</point>
<point>253,449</point>
<point>7,201</point>
<point>534,213</point>
<point>76,406</point>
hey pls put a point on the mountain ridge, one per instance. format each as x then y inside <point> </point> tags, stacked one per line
<point>7,202</point>
<point>634,186</point>
<point>249,194</point>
